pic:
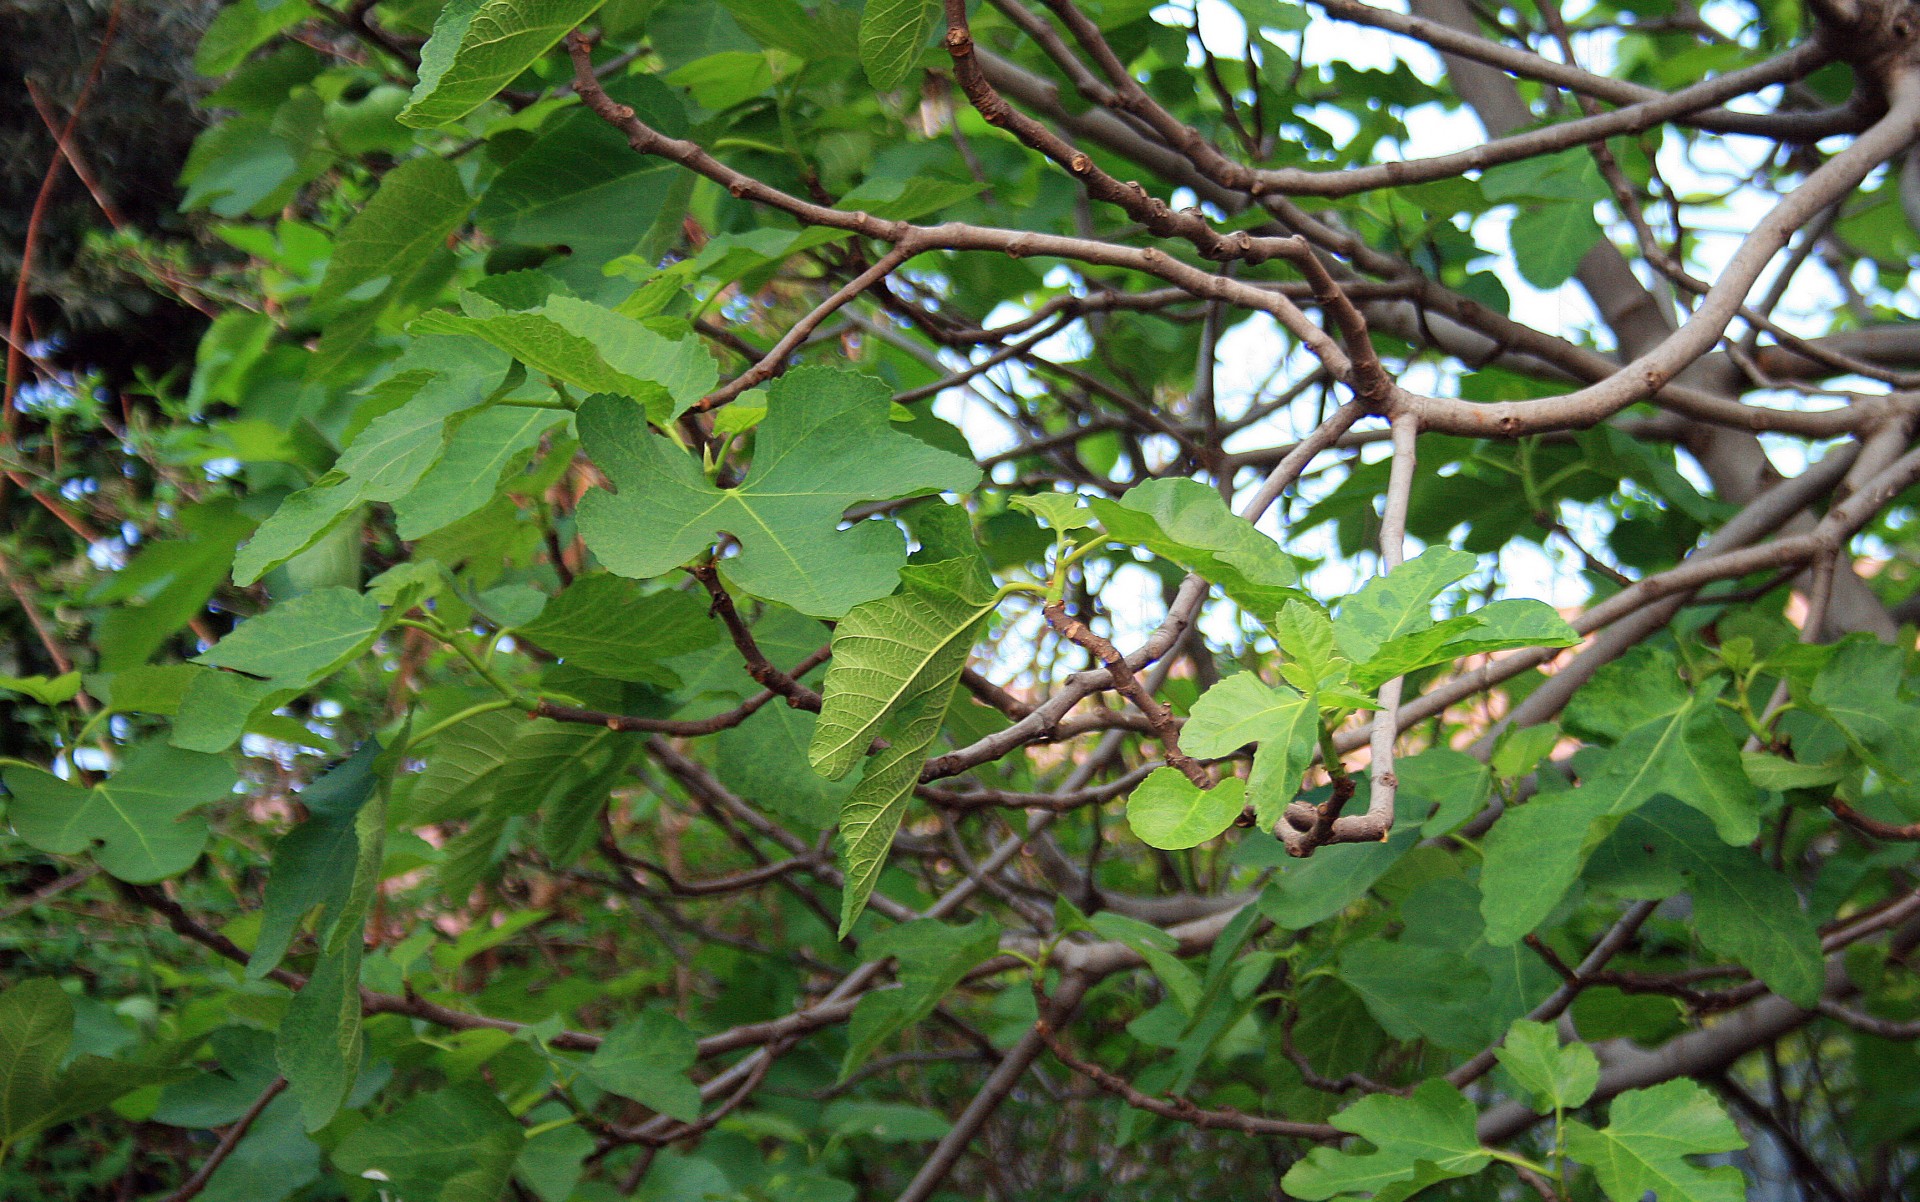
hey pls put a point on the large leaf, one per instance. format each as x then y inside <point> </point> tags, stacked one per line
<point>1416,992</point>
<point>478,47</point>
<point>1742,908</point>
<point>1186,522</point>
<point>580,185</point>
<point>456,1145</point>
<point>136,822</point>
<point>591,347</point>
<point>36,1029</point>
<point>892,33</point>
<point>1434,1128</point>
<point>824,446</point>
<point>297,642</point>
<point>320,1042</point>
<point>436,379</point>
<point>1644,1148</point>
<point>895,664</point>
<point>1535,851</point>
<point>647,1059</point>
<point>1332,879</point>
<point>419,204</point>
<point>481,449</point>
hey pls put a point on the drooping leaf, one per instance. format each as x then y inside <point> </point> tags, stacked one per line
<point>1743,909</point>
<point>591,347</point>
<point>1643,1149</point>
<point>1186,522</point>
<point>1417,992</point>
<point>1167,810</point>
<point>480,450</point>
<point>313,864</point>
<point>419,204</point>
<point>1332,879</point>
<point>36,1092</point>
<point>824,446</point>
<point>478,47</point>
<point>320,1043</point>
<point>647,1059</point>
<point>895,664</point>
<point>1433,1128</point>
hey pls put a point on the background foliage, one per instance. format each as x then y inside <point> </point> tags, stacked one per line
<point>765,600</point>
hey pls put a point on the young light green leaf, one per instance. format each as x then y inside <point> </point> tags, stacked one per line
<point>1169,811</point>
<point>1433,1127</point>
<point>478,47</point>
<point>1305,635</point>
<point>1239,710</point>
<point>1061,511</point>
<point>419,204</point>
<point>1521,748</point>
<point>895,665</point>
<point>1398,603</point>
<point>825,445</point>
<point>1769,771</point>
<point>1496,627</point>
<point>647,1059</point>
<point>1558,1078</point>
<point>891,35</point>
<point>1187,522</point>
<point>1644,1148</point>
<point>135,822</point>
<point>455,1145</point>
